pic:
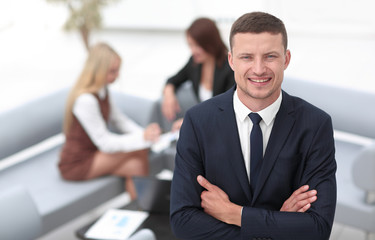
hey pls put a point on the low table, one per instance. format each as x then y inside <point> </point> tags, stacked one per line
<point>157,222</point>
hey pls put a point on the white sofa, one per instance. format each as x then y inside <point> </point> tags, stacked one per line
<point>58,201</point>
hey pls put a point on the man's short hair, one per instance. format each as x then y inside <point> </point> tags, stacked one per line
<point>258,22</point>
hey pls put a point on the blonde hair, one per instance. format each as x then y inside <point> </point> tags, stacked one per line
<point>93,77</point>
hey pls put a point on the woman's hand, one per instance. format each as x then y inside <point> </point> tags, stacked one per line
<point>177,125</point>
<point>170,106</point>
<point>152,132</point>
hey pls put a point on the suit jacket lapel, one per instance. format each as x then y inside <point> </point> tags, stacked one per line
<point>228,125</point>
<point>284,122</point>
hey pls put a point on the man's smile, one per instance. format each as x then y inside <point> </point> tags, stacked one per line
<point>259,80</point>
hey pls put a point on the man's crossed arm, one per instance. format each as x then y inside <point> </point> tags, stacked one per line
<point>216,202</point>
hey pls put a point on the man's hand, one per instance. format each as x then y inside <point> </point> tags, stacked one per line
<point>300,200</point>
<point>216,203</point>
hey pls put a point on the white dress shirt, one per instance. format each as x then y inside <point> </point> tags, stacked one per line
<point>86,109</point>
<point>245,125</point>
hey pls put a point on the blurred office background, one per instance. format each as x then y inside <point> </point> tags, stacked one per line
<point>332,41</point>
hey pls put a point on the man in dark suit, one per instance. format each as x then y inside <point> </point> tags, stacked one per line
<point>276,184</point>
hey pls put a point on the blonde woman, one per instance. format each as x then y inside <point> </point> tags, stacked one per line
<point>91,150</point>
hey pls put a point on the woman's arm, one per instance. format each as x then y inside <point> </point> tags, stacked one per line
<point>86,110</point>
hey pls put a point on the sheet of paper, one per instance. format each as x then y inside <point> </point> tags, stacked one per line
<point>165,141</point>
<point>116,224</point>
<point>165,174</point>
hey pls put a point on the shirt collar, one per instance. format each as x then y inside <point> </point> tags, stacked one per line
<point>267,114</point>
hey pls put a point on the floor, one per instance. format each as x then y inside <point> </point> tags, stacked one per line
<point>67,231</point>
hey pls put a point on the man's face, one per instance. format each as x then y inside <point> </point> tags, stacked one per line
<point>258,61</point>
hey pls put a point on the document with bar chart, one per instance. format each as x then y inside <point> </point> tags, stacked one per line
<point>116,224</point>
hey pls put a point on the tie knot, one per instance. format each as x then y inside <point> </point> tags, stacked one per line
<point>255,118</point>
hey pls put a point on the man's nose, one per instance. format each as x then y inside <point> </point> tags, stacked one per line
<point>259,66</point>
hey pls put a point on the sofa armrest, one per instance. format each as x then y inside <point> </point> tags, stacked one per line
<point>364,171</point>
<point>20,218</point>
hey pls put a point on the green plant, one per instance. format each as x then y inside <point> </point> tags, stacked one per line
<point>84,16</point>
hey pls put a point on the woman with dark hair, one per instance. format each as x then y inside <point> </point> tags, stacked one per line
<point>207,68</point>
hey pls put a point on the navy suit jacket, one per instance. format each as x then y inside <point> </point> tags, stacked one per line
<point>300,151</point>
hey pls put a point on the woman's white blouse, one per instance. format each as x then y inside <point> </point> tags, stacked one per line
<point>204,93</point>
<point>130,137</point>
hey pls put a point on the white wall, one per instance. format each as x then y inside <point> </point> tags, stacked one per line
<point>331,41</point>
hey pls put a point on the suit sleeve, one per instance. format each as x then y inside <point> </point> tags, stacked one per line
<point>182,75</point>
<point>316,223</point>
<point>188,220</point>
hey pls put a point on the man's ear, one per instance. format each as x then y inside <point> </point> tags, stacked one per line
<point>287,59</point>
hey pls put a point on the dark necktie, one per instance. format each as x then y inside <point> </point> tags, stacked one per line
<point>256,149</point>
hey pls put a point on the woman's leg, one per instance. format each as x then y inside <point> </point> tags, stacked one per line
<point>121,164</point>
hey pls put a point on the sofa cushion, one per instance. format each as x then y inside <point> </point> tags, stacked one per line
<point>57,200</point>
<point>349,108</point>
<point>142,110</point>
<point>31,123</point>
